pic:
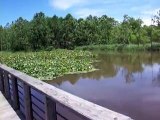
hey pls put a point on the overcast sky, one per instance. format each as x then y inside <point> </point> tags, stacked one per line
<point>10,10</point>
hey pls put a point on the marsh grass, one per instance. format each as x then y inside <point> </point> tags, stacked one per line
<point>122,47</point>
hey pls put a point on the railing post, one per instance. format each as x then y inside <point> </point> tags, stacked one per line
<point>15,93</point>
<point>27,102</point>
<point>6,85</point>
<point>1,80</point>
<point>50,109</point>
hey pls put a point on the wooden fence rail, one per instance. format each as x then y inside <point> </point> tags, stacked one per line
<point>38,100</point>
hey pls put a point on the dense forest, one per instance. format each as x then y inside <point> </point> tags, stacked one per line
<point>48,33</point>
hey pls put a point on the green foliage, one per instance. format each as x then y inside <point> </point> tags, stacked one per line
<point>122,47</point>
<point>38,32</point>
<point>156,19</point>
<point>19,38</point>
<point>156,35</point>
<point>47,33</point>
<point>45,65</point>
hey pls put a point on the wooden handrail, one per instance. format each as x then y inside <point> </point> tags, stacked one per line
<point>39,100</point>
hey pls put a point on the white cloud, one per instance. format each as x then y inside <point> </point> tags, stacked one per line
<point>146,21</point>
<point>83,13</point>
<point>116,8</point>
<point>147,15</point>
<point>150,12</point>
<point>65,4</point>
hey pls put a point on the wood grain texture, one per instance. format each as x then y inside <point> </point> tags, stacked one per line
<point>6,111</point>
<point>82,108</point>
<point>1,81</point>
<point>15,93</point>
<point>6,85</point>
<point>50,109</point>
<point>27,102</point>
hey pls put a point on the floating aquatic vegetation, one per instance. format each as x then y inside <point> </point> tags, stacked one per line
<point>46,65</point>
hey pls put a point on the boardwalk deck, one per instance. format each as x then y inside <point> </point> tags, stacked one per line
<point>38,100</point>
<point>6,111</point>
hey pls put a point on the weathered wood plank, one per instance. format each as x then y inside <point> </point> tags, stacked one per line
<point>21,96</point>
<point>11,94</point>
<point>11,91</point>
<point>6,111</point>
<point>20,83</point>
<point>50,109</point>
<point>60,118</point>
<point>10,86</point>
<point>38,103</point>
<point>27,102</point>
<point>67,113</point>
<point>21,102</point>
<point>38,111</point>
<point>11,97</point>
<point>36,116</point>
<point>22,109</point>
<point>15,93</point>
<point>82,108</point>
<point>21,90</point>
<point>10,81</point>
<point>1,81</point>
<point>38,95</point>
<point>6,85</point>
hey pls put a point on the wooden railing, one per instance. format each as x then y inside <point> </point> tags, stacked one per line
<point>38,100</point>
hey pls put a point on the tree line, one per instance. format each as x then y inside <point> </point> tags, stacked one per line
<point>67,32</point>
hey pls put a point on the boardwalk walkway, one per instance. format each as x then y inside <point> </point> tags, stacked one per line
<point>38,100</point>
<point>6,111</point>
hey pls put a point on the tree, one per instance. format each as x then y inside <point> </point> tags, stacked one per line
<point>68,32</point>
<point>19,35</point>
<point>106,26</point>
<point>156,19</point>
<point>39,32</point>
<point>44,32</point>
<point>1,38</point>
<point>54,26</point>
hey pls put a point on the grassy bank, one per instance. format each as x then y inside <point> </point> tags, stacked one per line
<point>122,47</point>
<point>46,65</point>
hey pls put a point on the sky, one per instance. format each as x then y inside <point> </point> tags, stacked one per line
<point>10,10</point>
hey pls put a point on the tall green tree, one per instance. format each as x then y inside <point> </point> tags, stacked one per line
<point>156,19</point>
<point>39,37</point>
<point>19,35</point>
<point>68,32</point>
<point>44,32</point>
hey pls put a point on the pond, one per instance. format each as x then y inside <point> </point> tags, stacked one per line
<point>128,83</point>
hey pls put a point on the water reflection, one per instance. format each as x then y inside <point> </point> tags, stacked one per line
<point>126,83</point>
<point>156,80</point>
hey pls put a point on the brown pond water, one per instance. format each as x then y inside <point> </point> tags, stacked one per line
<point>126,83</point>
